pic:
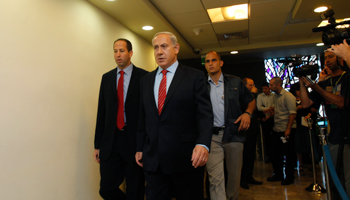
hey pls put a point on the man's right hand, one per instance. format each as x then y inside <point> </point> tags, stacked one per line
<point>324,74</point>
<point>97,155</point>
<point>267,111</point>
<point>138,158</point>
<point>254,90</point>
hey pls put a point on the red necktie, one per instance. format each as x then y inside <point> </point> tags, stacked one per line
<point>120,94</point>
<point>162,92</point>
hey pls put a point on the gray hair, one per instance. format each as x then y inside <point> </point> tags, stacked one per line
<point>171,35</point>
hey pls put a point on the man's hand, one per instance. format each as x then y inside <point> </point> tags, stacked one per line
<point>307,117</point>
<point>307,82</point>
<point>245,121</point>
<point>199,156</point>
<point>342,50</point>
<point>254,90</point>
<point>324,74</point>
<point>96,155</point>
<point>287,133</point>
<point>267,111</point>
<point>138,158</point>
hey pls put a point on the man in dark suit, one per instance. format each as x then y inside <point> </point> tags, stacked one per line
<point>175,125</point>
<point>116,127</point>
<point>249,149</point>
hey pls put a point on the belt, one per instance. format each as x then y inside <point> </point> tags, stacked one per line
<point>217,129</point>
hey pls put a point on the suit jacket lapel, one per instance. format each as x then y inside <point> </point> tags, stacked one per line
<point>133,81</point>
<point>226,95</point>
<point>179,74</point>
<point>114,84</point>
<point>151,88</point>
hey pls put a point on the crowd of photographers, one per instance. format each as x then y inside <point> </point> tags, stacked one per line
<point>333,91</point>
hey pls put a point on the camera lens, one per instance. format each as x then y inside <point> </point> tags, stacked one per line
<point>335,36</point>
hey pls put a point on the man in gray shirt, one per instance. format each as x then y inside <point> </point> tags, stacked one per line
<point>283,134</point>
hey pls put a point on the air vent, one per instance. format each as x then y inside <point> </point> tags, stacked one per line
<point>229,36</point>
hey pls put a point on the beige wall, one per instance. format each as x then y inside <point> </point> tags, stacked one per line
<point>52,56</point>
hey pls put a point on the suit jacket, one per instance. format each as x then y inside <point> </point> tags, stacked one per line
<point>107,111</point>
<point>167,140</point>
<point>237,96</point>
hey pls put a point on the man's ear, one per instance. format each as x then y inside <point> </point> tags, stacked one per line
<point>340,61</point>
<point>177,48</point>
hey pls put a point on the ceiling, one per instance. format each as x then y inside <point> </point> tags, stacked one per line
<point>275,28</point>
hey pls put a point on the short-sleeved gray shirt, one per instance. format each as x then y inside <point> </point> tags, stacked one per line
<point>285,104</point>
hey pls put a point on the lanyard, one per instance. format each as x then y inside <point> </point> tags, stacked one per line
<point>336,83</point>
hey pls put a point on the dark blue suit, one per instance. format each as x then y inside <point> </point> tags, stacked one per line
<point>118,148</point>
<point>167,141</point>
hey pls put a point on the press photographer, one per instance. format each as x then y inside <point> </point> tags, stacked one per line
<point>331,92</point>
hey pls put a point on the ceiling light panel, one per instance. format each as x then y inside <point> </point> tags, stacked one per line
<point>208,4</point>
<point>229,13</point>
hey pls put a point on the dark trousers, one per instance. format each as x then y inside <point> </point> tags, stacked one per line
<point>186,185</point>
<point>266,128</point>
<point>249,152</point>
<point>280,150</point>
<point>121,164</point>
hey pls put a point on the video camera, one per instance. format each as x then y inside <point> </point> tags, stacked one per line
<point>333,33</point>
<point>298,70</point>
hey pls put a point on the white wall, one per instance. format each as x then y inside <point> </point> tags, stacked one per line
<point>52,56</point>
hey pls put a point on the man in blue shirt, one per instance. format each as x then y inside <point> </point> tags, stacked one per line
<point>233,106</point>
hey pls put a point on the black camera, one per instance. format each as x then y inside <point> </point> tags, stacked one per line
<point>298,68</point>
<point>333,33</point>
<point>306,70</point>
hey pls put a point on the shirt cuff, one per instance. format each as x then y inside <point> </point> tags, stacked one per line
<point>203,146</point>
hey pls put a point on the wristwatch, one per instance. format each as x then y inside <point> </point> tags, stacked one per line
<point>249,114</point>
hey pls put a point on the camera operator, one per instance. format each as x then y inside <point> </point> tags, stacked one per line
<point>331,92</point>
<point>341,50</point>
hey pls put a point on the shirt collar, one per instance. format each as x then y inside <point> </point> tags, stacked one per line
<point>283,91</point>
<point>266,95</point>
<point>221,79</point>
<point>171,69</point>
<point>127,70</point>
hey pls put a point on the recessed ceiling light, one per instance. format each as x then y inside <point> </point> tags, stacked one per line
<point>319,44</point>
<point>234,52</point>
<point>147,28</point>
<point>321,9</point>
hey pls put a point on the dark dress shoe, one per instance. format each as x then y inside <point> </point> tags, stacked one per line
<point>274,178</point>
<point>287,181</point>
<point>244,185</point>
<point>254,182</point>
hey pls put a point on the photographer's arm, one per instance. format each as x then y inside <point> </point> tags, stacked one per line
<point>334,99</point>
<point>304,97</point>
